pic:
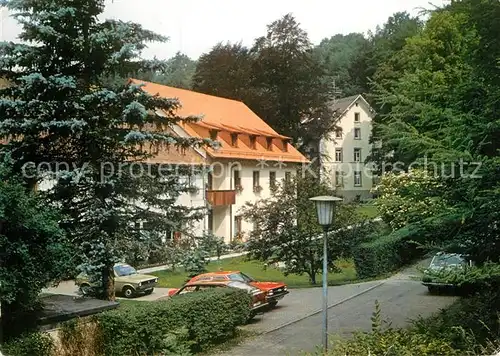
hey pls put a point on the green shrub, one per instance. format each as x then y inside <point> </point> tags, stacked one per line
<point>195,262</point>
<point>386,253</point>
<point>467,324</point>
<point>34,344</point>
<point>193,321</point>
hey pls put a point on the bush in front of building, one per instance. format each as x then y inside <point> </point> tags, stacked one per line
<point>181,325</point>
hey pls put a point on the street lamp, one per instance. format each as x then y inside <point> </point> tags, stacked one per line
<point>325,206</point>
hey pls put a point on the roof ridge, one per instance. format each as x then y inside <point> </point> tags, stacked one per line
<point>189,90</point>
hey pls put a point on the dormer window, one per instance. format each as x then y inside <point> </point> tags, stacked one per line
<point>213,134</point>
<point>269,141</point>
<point>285,145</point>
<point>253,142</point>
<point>234,140</point>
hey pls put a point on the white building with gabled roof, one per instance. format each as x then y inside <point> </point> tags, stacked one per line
<point>343,154</point>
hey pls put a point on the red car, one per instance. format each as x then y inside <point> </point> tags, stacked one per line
<point>274,290</point>
<point>258,297</point>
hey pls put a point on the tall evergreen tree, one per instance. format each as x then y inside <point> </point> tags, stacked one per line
<point>93,137</point>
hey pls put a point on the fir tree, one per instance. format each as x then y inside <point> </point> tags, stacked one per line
<point>93,136</point>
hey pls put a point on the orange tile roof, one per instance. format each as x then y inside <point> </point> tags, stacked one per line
<point>176,155</point>
<point>228,116</point>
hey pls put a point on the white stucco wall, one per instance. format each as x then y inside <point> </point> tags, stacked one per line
<point>223,179</point>
<point>348,143</point>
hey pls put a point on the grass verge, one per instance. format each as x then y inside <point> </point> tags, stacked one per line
<point>256,269</point>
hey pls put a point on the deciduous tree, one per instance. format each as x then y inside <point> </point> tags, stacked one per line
<point>288,231</point>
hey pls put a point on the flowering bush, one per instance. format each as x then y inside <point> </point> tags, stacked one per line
<point>409,197</point>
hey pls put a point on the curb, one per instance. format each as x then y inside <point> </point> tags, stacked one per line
<point>321,310</point>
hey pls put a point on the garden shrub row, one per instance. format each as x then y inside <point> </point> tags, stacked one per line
<point>199,319</point>
<point>386,253</point>
<point>178,326</point>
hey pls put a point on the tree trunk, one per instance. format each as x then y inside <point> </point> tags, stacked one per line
<point>110,284</point>
<point>312,277</point>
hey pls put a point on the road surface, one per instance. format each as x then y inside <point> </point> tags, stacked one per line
<point>401,298</point>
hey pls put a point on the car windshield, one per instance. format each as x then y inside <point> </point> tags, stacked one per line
<point>241,277</point>
<point>241,285</point>
<point>447,260</point>
<point>124,270</point>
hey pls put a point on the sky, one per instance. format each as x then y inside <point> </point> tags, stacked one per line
<point>195,26</point>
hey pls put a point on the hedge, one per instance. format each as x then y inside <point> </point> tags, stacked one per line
<point>178,326</point>
<point>386,253</point>
<point>197,320</point>
<point>34,344</point>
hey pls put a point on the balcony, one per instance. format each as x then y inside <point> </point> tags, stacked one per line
<point>221,197</point>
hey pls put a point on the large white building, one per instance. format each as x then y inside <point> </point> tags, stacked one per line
<point>251,159</point>
<point>343,154</point>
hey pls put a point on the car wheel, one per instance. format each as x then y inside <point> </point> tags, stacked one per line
<point>148,292</point>
<point>273,304</point>
<point>128,292</point>
<point>84,289</point>
<point>432,289</point>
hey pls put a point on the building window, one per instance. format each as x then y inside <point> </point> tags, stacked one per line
<point>237,179</point>
<point>269,141</point>
<point>288,177</point>
<point>357,116</point>
<point>234,140</point>
<point>213,135</point>
<point>253,142</point>
<point>357,133</point>
<point>256,179</point>
<point>339,178</point>
<point>272,180</point>
<point>338,133</point>
<point>238,219</point>
<point>357,155</point>
<point>338,155</point>
<point>357,179</point>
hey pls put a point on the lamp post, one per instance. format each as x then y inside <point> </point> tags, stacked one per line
<point>325,206</point>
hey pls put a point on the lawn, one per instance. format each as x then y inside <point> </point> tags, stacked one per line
<point>368,210</point>
<point>170,279</point>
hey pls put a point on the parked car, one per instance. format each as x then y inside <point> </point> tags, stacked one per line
<point>128,282</point>
<point>275,291</point>
<point>443,262</point>
<point>258,297</point>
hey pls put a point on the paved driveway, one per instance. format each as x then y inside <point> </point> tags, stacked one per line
<point>69,288</point>
<point>351,307</point>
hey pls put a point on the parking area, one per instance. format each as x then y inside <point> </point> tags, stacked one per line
<point>69,288</point>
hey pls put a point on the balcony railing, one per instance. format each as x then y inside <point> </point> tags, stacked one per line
<point>221,197</point>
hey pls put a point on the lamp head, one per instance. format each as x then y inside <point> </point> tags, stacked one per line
<point>325,207</point>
